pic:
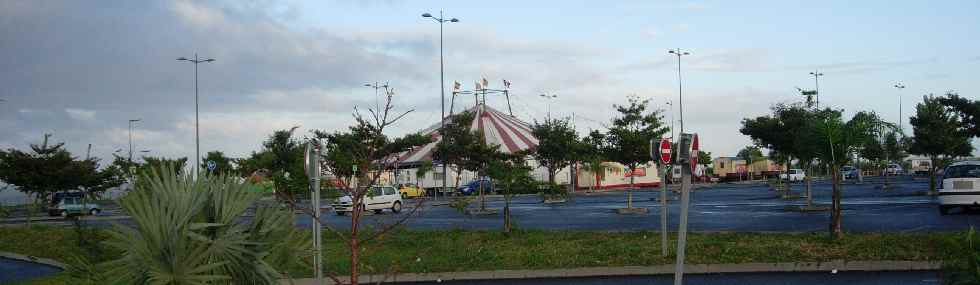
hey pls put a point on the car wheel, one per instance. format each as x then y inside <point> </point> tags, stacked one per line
<point>93,212</point>
<point>64,213</point>
<point>404,195</point>
<point>396,207</point>
<point>340,213</point>
<point>378,211</point>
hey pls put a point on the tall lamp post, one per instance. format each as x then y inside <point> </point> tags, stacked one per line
<point>197,125</point>
<point>816,83</point>
<point>131,138</point>
<point>549,97</point>
<point>376,86</point>
<point>680,85</point>
<point>900,86</point>
<point>442,86</point>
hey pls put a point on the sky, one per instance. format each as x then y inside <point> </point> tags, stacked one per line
<point>80,70</point>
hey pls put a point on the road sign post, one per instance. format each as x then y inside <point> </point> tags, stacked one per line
<point>664,156</point>
<point>312,165</point>
<point>686,153</point>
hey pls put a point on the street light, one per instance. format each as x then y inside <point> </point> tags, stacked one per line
<point>900,86</point>
<point>816,83</point>
<point>197,125</point>
<point>671,104</point>
<point>549,98</point>
<point>442,88</point>
<point>680,86</point>
<point>131,121</point>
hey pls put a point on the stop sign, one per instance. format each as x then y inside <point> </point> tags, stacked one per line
<point>694,153</point>
<point>665,151</point>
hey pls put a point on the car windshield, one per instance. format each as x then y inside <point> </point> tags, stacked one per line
<point>962,171</point>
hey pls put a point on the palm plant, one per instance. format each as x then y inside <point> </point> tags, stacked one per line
<point>190,232</point>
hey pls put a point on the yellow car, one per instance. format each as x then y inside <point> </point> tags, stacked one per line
<point>410,191</point>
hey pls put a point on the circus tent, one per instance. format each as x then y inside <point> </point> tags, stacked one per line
<point>507,132</point>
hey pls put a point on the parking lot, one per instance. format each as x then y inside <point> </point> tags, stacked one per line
<point>720,207</point>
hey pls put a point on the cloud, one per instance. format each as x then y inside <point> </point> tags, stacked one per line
<point>696,6</point>
<point>80,114</point>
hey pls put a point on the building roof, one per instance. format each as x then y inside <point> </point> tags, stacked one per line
<point>505,131</point>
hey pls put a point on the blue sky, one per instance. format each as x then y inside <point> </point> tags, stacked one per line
<point>81,70</point>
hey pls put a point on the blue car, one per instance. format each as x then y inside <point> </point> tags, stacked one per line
<point>473,187</point>
<point>849,172</point>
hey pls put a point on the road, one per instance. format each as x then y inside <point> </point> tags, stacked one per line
<point>852,278</point>
<point>720,207</point>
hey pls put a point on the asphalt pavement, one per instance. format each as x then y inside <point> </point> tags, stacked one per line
<point>852,278</point>
<point>721,207</point>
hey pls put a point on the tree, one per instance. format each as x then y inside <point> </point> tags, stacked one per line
<point>286,163</point>
<point>49,168</point>
<point>592,153</point>
<point>189,231</point>
<point>556,145</point>
<point>836,140</point>
<point>222,163</point>
<point>424,168</point>
<point>969,111</point>
<point>938,134</point>
<point>456,144</point>
<point>628,140</point>
<point>704,158</point>
<point>510,171</point>
<point>750,154</point>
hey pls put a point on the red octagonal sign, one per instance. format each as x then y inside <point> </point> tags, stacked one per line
<point>665,151</point>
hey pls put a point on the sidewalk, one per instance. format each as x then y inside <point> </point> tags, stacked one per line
<point>839,265</point>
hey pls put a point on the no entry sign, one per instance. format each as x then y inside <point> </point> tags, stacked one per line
<point>665,151</point>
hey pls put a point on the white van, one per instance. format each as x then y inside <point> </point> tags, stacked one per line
<point>960,186</point>
<point>377,200</point>
<point>794,174</point>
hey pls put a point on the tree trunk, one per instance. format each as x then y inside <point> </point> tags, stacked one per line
<point>354,219</point>
<point>629,192</point>
<point>932,176</point>
<point>809,193</point>
<point>507,210</point>
<point>835,215</point>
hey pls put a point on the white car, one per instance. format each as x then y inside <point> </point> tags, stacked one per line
<point>960,186</point>
<point>377,199</point>
<point>794,174</point>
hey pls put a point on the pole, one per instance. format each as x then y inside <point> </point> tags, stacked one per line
<point>442,92</point>
<point>680,89</point>
<point>197,122</point>
<point>316,213</point>
<point>663,210</point>
<point>682,230</point>
<point>130,141</point>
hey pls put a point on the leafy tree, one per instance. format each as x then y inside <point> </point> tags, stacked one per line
<point>509,171</point>
<point>457,143</point>
<point>628,140</point>
<point>257,160</point>
<point>557,144</point>
<point>222,163</point>
<point>750,154</point>
<point>592,153</point>
<point>841,139</point>
<point>704,158</point>
<point>424,168</point>
<point>189,232</point>
<point>49,168</point>
<point>969,111</point>
<point>938,134</point>
<point>286,164</point>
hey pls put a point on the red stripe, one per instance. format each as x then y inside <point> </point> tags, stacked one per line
<point>521,136</point>
<point>511,146</point>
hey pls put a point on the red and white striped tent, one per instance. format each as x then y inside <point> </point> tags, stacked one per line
<point>507,132</point>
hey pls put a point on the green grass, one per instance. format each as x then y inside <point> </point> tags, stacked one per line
<point>457,250</point>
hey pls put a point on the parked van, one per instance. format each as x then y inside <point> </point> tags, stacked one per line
<point>378,199</point>
<point>960,187</point>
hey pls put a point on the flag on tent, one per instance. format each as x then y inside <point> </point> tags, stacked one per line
<point>477,85</point>
<point>456,85</point>
<point>506,84</point>
<point>485,83</point>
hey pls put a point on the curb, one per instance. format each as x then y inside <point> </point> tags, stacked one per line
<point>33,259</point>
<point>666,269</point>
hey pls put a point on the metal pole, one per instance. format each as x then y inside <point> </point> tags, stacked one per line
<point>442,92</point>
<point>680,89</point>
<point>316,214</point>
<point>682,230</point>
<point>663,210</point>
<point>197,125</point>
<point>130,141</point>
